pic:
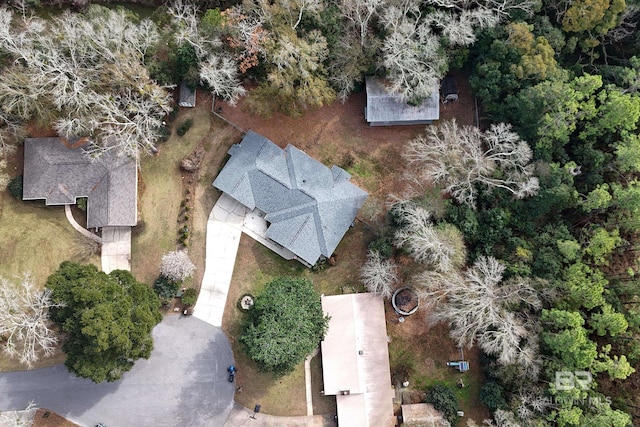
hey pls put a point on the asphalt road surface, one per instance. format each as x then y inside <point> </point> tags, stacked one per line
<point>183,383</point>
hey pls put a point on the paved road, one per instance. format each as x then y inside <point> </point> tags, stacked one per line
<point>184,383</point>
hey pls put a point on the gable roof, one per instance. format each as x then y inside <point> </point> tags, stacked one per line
<point>382,107</point>
<point>422,415</point>
<point>355,360</point>
<point>60,174</point>
<point>308,205</point>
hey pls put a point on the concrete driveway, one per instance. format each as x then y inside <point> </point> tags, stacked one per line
<point>116,249</point>
<point>184,383</point>
<point>223,240</point>
<point>227,221</point>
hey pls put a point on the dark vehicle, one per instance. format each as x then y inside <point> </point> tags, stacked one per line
<point>232,373</point>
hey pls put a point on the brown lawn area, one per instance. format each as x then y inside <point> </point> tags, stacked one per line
<point>422,350</point>
<point>52,419</point>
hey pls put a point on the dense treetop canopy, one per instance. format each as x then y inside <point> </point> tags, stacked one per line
<point>107,318</point>
<point>285,324</point>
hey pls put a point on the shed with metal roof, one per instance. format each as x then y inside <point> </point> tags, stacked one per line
<point>386,109</point>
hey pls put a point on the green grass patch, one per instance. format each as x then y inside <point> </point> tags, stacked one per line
<point>159,202</point>
<point>362,168</point>
<point>36,238</point>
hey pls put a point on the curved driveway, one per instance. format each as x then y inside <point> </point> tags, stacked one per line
<point>183,383</point>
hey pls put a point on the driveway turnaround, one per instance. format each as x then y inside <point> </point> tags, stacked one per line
<point>183,383</point>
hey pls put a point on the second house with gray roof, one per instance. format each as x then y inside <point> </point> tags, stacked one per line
<point>308,206</point>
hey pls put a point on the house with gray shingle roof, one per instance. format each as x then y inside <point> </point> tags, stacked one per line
<point>385,109</point>
<point>308,206</point>
<point>60,174</point>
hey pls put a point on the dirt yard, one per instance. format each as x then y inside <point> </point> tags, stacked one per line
<point>418,353</point>
<point>47,418</point>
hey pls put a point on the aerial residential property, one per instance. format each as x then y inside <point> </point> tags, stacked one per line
<point>319,213</point>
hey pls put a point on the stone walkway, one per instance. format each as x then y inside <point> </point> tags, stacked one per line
<point>86,233</point>
<point>116,249</point>
<point>115,241</point>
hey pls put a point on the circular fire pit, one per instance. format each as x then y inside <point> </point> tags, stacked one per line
<point>245,302</point>
<point>405,301</point>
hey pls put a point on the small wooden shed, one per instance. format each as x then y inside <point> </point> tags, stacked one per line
<point>422,415</point>
<point>449,89</point>
<point>187,96</point>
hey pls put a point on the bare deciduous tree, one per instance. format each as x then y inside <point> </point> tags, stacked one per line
<point>440,247</point>
<point>532,402</point>
<point>501,418</point>
<point>478,306</point>
<point>24,320</point>
<point>10,133</point>
<point>91,75</point>
<point>348,63</point>
<point>379,275</point>
<point>462,157</point>
<point>220,72</point>
<point>4,177</point>
<point>177,266</point>
<point>359,13</point>
<point>217,69</point>
<point>23,418</point>
<point>411,53</point>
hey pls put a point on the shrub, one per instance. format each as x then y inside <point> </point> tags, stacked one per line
<point>166,288</point>
<point>395,217</point>
<point>284,325</point>
<point>445,401</point>
<point>491,396</point>
<point>189,297</point>
<point>163,133</point>
<point>82,204</point>
<point>320,265</point>
<point>15,187</point>
<point>177,266</point>
<point>184,127</point>
<point>139,228</point>
<point>382,245</point>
